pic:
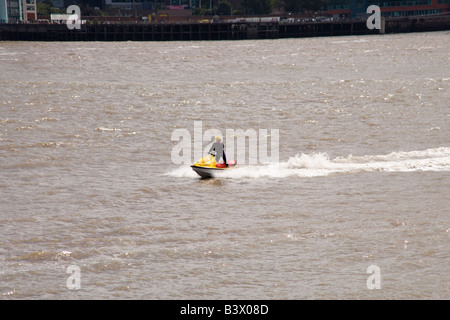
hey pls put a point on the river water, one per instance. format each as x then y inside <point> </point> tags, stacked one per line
<point>95,204</point>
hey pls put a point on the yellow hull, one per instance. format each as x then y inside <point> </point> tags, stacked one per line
<point>207,167</point>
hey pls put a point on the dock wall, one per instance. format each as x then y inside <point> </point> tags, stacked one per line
<point>213,31</point>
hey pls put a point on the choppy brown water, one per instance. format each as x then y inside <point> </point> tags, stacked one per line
<point>87,179</point>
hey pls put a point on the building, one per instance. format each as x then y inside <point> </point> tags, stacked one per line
<point>10,11</point>
<point>15,11</point>
<point>3,14</point>
<point>29,10</point>
<point>136,4</point>
<point>161,4</point>
<point>389,8</point>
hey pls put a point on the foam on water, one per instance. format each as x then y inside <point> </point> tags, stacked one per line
<point>319,164</point>
<point>182,172</point>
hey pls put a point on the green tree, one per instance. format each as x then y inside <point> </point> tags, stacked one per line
<point>224,8</point>
<point>258,6</point>
<point>276,4</point>
<point>45,8</point>
<point>299,6</point>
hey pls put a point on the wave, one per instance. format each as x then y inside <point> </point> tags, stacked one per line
<point>320,164</point>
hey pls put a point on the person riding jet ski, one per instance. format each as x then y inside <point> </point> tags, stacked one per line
<point>209,166</point>
<point>219,149</point>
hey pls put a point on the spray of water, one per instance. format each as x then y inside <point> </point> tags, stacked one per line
<point>319,164</point>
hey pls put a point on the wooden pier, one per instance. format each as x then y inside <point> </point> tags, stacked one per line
<point>212,31</point>
<point>139,32</point>
<point>176,31</point>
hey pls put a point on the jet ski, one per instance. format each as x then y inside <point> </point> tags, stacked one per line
<point>207,167</point>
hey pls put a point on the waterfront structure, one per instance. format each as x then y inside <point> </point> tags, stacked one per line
<point>10,11</point>
<point>166,4</point>
<point>389,8</point>
<point>235,30</point>
<point>15,11</point>
<point>29,10</point>
<point>135,4</point>
<point>3,14</point>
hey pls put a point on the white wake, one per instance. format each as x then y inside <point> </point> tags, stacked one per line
<point>319,164</point>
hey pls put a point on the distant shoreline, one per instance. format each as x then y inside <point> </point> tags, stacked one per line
<point>195,31</point>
